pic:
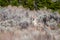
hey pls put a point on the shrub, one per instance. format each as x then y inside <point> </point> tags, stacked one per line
<point>14,2</point>
<point>3,3</point>
<point>59,25</point>
<point>32,4</point>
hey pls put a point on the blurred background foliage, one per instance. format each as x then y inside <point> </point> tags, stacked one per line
<point>32,4</point>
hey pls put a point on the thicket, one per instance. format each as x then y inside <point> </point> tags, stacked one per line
<point>32,4</point>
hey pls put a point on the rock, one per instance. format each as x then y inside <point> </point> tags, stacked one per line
<point>24,25</point>
<point>34,24</point>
